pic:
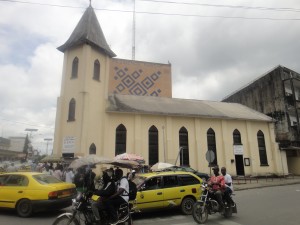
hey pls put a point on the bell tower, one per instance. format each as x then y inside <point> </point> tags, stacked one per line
<point>84,89</point>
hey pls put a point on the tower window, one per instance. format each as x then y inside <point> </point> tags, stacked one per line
<point>72,106</point>
<point>75,68</point>
<point>96,75</point>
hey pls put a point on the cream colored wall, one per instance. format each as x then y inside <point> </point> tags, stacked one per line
<point>137,140</point>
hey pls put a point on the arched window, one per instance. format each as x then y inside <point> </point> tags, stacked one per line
<point>96,75</point>
<point>211,144</point>
<point>72,106</point>
<point>184,144</point>
<point>92,149</point>
<point>262,148</point>
<point>153,145</point>
<point>121,134</point>
<point>237,137</point>
<point>75,68</point>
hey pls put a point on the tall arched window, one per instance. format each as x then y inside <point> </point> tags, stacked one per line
<point>92,149</point>
<point>237,137</point>
<point>75,63</point>
<point>262,148</point>
<point>96,75</point>
<point>211,145</point>
<point>121,134</point>
<point>184,144</point>
<point>72,106</point>
<point>153,145</point>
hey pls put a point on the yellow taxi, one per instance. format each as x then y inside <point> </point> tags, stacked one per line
<point>166,190</point>
<point>29,192</point>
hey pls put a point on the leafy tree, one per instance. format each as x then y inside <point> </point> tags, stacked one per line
<point>26,147</point>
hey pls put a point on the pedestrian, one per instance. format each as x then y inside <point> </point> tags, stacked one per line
<point>79,179</point>
<point>69,176</point>
<point>58,172</point>
<point>12,168</point>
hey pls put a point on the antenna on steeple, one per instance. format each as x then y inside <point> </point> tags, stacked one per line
<point>133,32</point>
<point>90,2</point>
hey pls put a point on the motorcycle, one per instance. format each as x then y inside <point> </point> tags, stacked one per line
<point>207,205</point>
<point>83,214</point>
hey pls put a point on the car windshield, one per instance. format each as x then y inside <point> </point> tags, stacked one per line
<point>46,179</point>
<point>138,180</point>
<point>189,169</point>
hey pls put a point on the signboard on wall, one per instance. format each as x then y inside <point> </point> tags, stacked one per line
<point>69,144</point>
<point>238,149</point>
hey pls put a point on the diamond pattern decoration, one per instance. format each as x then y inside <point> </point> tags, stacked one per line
<point>120,87</point>
<point>136,75</point>
<point>128,81</point>
<point>147,83</point>
<point>132,83</point>
<point>137,89</point>
<point>121,73</point>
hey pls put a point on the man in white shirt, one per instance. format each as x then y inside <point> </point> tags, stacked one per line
<point>119,198</point>
<point>69,175</point>
<point>229,186</point>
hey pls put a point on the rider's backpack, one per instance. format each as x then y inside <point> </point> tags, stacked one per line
<point>132,189</point>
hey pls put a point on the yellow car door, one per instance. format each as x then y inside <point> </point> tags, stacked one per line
<point>150,195</point>
<point>173,193</point>
<point>13,189</point>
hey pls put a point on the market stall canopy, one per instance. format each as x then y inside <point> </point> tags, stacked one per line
<point>130,164</point>
<point>130,156</point>
<point>160,166</point>
<point>89,160</point>
<point>52,158</point>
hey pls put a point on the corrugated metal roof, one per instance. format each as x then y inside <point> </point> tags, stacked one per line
<point>88,30</point>
<point>183,107</point>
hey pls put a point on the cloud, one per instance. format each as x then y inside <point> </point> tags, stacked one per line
<point>211,56</point>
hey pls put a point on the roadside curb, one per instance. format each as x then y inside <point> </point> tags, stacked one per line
<point>237,188</point>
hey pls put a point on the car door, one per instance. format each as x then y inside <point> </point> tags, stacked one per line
<point>150,194</point>
<point>173,192</point>
<point>13,189</point>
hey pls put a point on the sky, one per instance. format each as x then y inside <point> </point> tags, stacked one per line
<point>215,47</point>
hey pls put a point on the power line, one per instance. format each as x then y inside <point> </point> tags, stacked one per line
<point>28,124</point>
<point>225,6</point>
<point>168,14</point>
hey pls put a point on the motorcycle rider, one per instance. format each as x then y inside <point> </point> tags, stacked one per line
<point>217,183</point>
<point>107,190</point>
<point>229,186</point>
<point>119,198</point>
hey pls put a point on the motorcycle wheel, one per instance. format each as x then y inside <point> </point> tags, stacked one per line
<point>65,220</point>
<point>128,221</point>
<point>200,215</point>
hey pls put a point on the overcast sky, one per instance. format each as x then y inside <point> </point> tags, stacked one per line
<point>215,47</point>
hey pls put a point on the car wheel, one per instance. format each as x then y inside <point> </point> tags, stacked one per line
<point>187,205</point>
<point>24,208</point>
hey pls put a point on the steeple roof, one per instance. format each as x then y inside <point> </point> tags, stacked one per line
<point>88,30</point>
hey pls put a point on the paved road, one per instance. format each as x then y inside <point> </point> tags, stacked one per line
<point>264,206</point>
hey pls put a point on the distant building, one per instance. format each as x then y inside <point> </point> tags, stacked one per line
<point>11,148</point>
<point>277,94</point>
<point>109,106</point>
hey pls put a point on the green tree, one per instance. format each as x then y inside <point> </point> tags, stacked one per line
<point>26,147</point>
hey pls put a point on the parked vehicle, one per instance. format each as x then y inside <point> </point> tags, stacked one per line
<point>28,192</point>
<point>83,214</point>
<point>167,189</point>
<point>207,205</point>
<point>203,176</point>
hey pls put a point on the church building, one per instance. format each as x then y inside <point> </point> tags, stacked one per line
<point>108,106</point>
